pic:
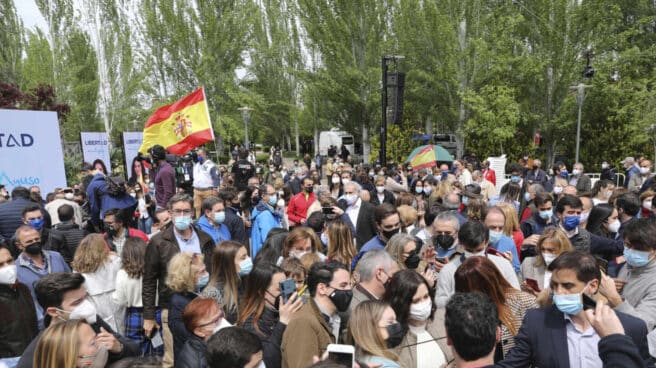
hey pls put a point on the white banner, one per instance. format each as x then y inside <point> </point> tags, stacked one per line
<point>95,146</point>
<point>131,143</point>
<point>31,150</point>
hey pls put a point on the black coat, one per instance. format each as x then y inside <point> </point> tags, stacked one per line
<point>270,334</point>
<point>192,354</point>
<point>18,325</point>
<point>65,238</point>
<point>235,225</point>
<point>388,197</point>
<point>180,333</point>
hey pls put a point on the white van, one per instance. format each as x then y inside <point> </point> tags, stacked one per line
<point>337,138</point>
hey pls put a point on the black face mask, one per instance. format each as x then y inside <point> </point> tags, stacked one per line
<point>445,241</point>
<point>236,206</point>
<point>341,299</point>
<point>255,200</point>
<point>309,189</point>
<point>276,304</point>
<point>390,233</point>
<point>412,261</point>
<point>33,249</point>
<point>396,334</point>
<point>111,231</point>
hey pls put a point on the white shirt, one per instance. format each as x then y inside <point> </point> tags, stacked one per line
<point>202,176</point>
<point>141,206</point>
<point>429,353</point>
<point>191,245</point>
<point>128,290</point>
<point>53,206</point>
<point>353,212</point>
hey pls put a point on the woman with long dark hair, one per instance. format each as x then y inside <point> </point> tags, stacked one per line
<point>263,311</point>
<point>230,262</point>
<point>603,220</point>
<point>479,274</point>
<point>424,342</point>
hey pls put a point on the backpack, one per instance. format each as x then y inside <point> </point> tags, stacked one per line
<point>115,186</point>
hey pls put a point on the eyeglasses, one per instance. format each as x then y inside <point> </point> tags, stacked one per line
<point>212,322</point>
<point>182,212</point>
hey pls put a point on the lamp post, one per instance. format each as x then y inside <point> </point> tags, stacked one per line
<point>580,97</point>
<point>246,114</point>
<point>382,155</point>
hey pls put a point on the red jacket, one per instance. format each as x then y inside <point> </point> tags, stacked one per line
<point>490,176</point>
<point>298,206</point>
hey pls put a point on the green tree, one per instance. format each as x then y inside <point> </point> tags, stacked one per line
<point>11,39</point>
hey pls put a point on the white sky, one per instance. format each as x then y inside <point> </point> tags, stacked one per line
<point>30,14</point>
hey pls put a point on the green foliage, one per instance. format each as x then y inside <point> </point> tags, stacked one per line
<point>399,143</point>
<point>11,39</point>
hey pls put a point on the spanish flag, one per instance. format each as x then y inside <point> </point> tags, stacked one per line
<point>180,126</point>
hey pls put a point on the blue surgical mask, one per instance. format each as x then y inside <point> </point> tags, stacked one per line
<point>636,258</point>
<point>465,200</point>
<point>273,200</point>
<point>419,190</point>
<point>245,266</point>
<point>203,280</point>
<point>564,173</point>
<point>545,215</point>
<point>569,303</point>
<point>527,197</point>
<point>571,222</point>
<point>219,217</point>
<point>36,223</point>
<point>182,222</point>
<point>495,236</point>
<point>515,178</point>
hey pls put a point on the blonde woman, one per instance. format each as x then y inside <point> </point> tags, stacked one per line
<point>374,331</point>
<point>186,277</point>
<point>70,344</point>
<point>99,268</point>
<point>511,227</point>
<point>340,242</point>
<point>551,244</point>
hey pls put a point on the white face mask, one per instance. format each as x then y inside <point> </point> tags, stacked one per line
<point>584,216</point>
<point>609,193</point>
<point>345,181</point>
<point>421,311</point>
<point>646,204</point>
<point>85,310</point>
<point>614,226</point>
<point>297,255</point>
<point>557,190</point>
<point>8,275</point>
<point>281,203</point>
<point>69,196</point>
<point>335,180</point>
<point>223,324</point>
<point>470,254</point>
<point>380,189</point>
<point>548,258</point>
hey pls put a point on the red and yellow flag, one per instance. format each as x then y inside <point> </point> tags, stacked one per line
<point>180,126</point>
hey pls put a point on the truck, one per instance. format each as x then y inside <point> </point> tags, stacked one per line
<point>337,138</point>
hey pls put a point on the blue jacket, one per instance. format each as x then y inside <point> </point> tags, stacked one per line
<point>506,244</point>
<point>264,219</point>
<point>374,243</point>
<point>29,276</point>
<point>100,201</point>
<point>542,340</point>
<point>218,234</point>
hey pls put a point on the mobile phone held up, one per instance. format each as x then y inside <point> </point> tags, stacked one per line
<point>493,251</point>
<point>341,354</point>
<point>588,302</point>
<point>287,288</point>
<point>327,210</point>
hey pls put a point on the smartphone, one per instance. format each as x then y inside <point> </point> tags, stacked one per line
<point>287,288</point>
<point>533,284</point>
<point>327,210</point>
<point>156,338</point>
<point>341,354</point>
<point>493,251</point>
<point>588,302</point>
<point>442,260</point>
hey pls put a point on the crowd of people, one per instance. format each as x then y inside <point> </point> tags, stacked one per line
<point>427,267</point>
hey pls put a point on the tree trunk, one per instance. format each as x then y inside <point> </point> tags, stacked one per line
<point>296,138</point>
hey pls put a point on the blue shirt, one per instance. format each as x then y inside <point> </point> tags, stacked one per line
<point>582,346</point>
<point>505,244</point>
<point>374,243</point>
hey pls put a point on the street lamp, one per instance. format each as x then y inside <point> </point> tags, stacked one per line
<point>246,114</point>
<point>588,73</point>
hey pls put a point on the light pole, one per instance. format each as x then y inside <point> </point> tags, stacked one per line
<point>246,114</point>
<point>580,97</point>
<point>382,155</point>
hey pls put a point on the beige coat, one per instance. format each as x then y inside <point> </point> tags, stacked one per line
<point>407,351</point>
<point>306,335</point>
